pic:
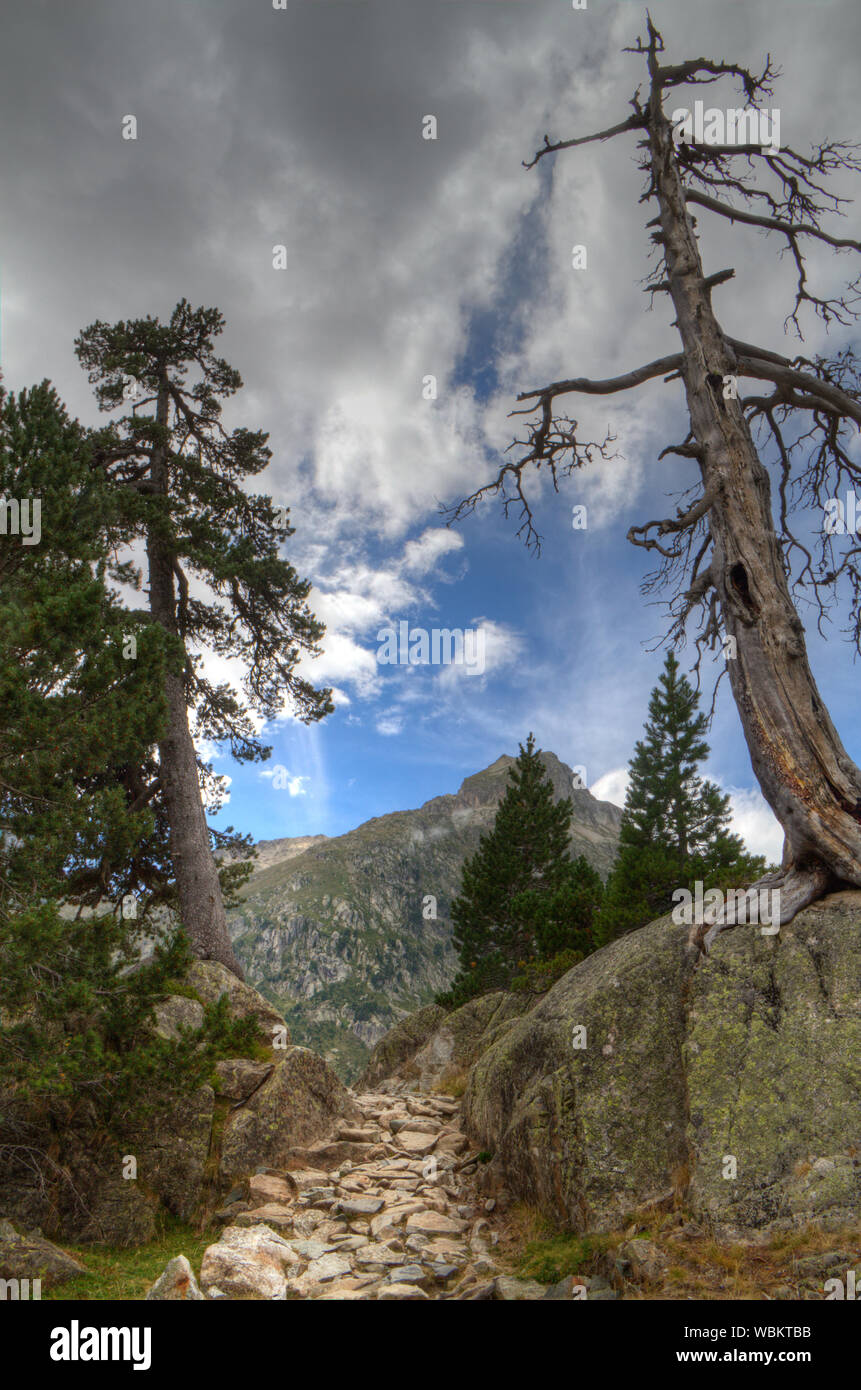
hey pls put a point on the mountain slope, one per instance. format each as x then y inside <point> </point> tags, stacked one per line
<point>333,931</point>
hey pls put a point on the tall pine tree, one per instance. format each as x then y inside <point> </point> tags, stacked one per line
<point>675,826</point>
<point>521,896</point>
<point>180,476</point>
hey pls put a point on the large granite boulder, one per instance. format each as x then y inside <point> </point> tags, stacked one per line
<point>400,1044</point>
<point>773,1064</point>
<point>587,1124</point>
<point>118,1211</point>
<point>462,1036</point>
<point>643,1073</point>
<point>93,1202</point>
<point>298,1103</point>
<point>431,1046</point>
<point>238,1077</point>
<point>175,1014</point>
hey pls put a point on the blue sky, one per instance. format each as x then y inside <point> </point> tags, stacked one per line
<point>407,258</point>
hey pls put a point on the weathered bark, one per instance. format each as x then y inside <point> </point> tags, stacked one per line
<point>200,903</point>
<point>808,779</point>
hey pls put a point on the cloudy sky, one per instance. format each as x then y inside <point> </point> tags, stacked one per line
<point>408,258</point>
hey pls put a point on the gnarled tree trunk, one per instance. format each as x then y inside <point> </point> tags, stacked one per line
<point>808,779</point>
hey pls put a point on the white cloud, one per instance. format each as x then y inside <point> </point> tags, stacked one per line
<point>422,554</point>
<point>389,725</point>
<point>373,458</point>
<point>754,821</point>
<point>345,661</point>
<point>357,600</point>
<point>613,786</point>
<point>343,610</point>
<point>206,750</point>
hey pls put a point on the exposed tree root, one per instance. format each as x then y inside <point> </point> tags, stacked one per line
<point>798,885</point>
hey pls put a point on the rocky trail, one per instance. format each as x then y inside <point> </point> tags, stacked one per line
<point>384,1209</point>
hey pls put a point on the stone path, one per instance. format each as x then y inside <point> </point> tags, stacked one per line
<point>386,1209</point>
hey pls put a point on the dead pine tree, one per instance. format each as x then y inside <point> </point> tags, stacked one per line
<point>729,559</point>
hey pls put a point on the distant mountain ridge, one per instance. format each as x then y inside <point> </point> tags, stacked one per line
<point>332,929</point>
<point>277,851</point>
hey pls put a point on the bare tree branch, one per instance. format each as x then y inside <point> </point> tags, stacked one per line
<point>755,219</point>
<point>660,367</point>
<point>819,394</point>
<point>635,122</point>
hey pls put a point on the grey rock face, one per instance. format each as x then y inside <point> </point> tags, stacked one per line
<point>736,1082</point>
<point>298,1103</point>
<point>30,1256</point>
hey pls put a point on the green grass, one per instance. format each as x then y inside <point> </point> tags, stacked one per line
<point>181,987</point>
<point>129,1273</point>
<point>557,1256</point>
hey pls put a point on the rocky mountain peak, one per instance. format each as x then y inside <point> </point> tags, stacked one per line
<point>346,935</point>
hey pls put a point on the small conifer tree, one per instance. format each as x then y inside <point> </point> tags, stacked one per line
<point>675,827</point>
<point>521,896</point>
